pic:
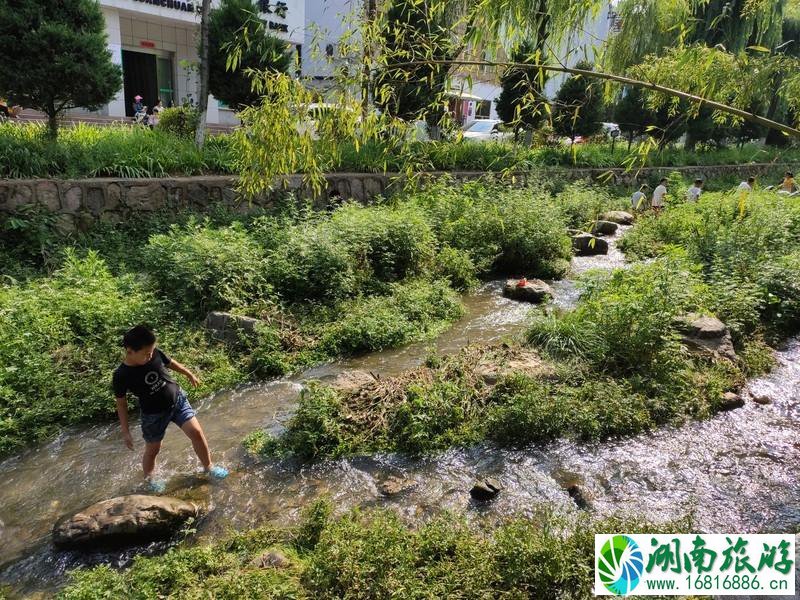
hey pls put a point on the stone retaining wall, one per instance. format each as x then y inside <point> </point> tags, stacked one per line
<point>78,204</point>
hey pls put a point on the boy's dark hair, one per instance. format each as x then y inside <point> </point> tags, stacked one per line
<point>751,180</point>
<point>663,180</point>
<point>698,182</point>
<point>138,337</point>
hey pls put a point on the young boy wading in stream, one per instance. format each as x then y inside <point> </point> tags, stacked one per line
<point>144,373</point>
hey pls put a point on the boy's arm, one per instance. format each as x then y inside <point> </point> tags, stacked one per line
<point>179,368</point>
<point>122,411</point>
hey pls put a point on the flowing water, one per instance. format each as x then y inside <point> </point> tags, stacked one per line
<point>737,472</point>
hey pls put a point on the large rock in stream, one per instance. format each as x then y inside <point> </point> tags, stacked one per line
<point>527,290</point>
<point>124,520</point>
<point>604,228</point>
<point>585,244</point>
<point>620,217</point>
<point>706,335</point>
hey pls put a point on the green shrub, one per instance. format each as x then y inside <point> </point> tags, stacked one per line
<point>781,282</point>
<point>624,322</point>
<point>390,243</point>
<point>312,265</point>
<point>181,121</point>
<point>744,246</point>
<point>510,231</point>
<point>60,340</point>
<point>412,311</point>
<point>457,267</point>
<point>529,411</point>
<point>374,555</point>
<point>53,329</point>
<point>583,204</point>
<point>202,268</point>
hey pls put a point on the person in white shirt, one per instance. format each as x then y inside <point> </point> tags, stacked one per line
<point>747,186</point>
<point>693,193</point>
<point>639,198</point>
<point>658,195</point>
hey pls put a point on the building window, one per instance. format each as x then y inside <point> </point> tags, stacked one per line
<point>483,109</point>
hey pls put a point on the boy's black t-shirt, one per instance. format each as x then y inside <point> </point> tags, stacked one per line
<point>150,383</point>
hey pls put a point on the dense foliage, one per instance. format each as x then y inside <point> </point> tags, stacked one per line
<point>615,365</point>
<point>352,280</point>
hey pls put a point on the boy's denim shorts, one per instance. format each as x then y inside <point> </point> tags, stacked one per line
<point>154,425</point>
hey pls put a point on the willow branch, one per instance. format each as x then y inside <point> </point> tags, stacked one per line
<point>747,116</point>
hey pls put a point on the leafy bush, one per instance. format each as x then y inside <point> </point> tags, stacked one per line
<point>582,204</point>
<point>744,246</point>
<point>390,243</point>
<point>312,265</point>
<point>457,267</point>
<point>624,322</point>
<point>202,268</point>
<point>510,231</point>
<point>180,121</point>
<point>529,411</point>
<point>53,329</point>
<point>781,282</point>
<point>60,339</point>
<point>412,311</point>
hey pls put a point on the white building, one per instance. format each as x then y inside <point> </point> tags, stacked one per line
<point>155,42</point>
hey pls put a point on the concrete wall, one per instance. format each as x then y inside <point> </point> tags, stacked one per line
<point>78,204</point>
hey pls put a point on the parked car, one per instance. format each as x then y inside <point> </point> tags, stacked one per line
<point>611,130</point>
<point>484,130</point>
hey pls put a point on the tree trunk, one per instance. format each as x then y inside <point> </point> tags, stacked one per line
<point>370,9</point>
<point>52,122</point>
<point>200,134</point>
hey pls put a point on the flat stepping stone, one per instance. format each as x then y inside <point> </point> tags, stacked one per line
<point>586,244</point>
<point>527,290</point>
<point>125,520</point>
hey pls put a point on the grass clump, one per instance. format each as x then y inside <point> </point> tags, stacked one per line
<point>374,555</point>
<point>614,366</point>
<point>204,268</point>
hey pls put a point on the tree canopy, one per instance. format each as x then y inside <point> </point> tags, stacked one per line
<point>56,57</point>
<point>264,52</point>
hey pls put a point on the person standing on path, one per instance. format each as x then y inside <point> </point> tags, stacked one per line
<point>693,193</point>
<point>143,373</point>
<point>658,195</point>
<point>747,186</point>
<point>639,198</point>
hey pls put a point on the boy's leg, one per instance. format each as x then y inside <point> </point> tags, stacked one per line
<point>195,433</point>
<point>151,450</point>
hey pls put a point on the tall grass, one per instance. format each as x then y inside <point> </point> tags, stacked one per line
<point>116,151</point>
<point>373,555</point>
<point>126,151</point>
